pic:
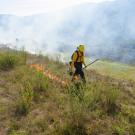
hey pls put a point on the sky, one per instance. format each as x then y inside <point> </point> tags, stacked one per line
<point>30,7</point>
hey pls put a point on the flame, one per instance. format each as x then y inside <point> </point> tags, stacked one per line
<point>48,74</point>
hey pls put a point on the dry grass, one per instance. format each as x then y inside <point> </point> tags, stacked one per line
<point>31,104</point>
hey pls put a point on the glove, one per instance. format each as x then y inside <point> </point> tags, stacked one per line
<point>70,73</point>
<point>85,65</point>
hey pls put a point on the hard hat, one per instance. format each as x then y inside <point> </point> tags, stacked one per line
<point>81,48</point>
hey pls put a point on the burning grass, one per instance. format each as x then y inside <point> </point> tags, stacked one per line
<point>47,73</point>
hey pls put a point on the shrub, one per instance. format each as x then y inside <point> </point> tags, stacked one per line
<point>8,61</point>
<point>73,129</point>
<point>132,130</point>
<point>131,116</point>
<point>110,100</point>
<point>77,112</point>
<point>119,130</point>
<point>41,82</point>
<point>33,88</point>
<point>77,92</point>
<point>25,100</point>
<point>40,85</point>
<point>93,96</point>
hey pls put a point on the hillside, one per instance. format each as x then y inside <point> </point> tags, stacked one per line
<point>115,70</point>
<point>33,104</point>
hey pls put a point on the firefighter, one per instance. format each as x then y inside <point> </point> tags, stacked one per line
<point>77,63</point>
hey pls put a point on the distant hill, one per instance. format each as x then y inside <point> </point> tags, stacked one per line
<point>107,29</point>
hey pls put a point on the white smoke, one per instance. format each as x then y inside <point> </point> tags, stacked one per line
<point>107,29</point>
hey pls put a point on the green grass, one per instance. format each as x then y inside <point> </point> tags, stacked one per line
<point>9,60</point>
<point>115,70</point>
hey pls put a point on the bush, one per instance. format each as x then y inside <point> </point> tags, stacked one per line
<point>77,92</point>
<point>110,100</point>
<point>98,96</point>
<point>8,61</point>
<point>40,85</point>
<point>77,113</point>
<point>33,88</point>
<point>132,130</point>
<point>119,130</point>
<point>93,96</point>
<point>41,82</point>
<point>72,129</point>
<point>25,99</point>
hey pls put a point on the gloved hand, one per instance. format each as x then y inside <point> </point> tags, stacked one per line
<point>85,65</point>
<point>71,73</point>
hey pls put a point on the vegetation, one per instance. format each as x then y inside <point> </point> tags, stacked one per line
<point>32,104</point>
<point>8,60</point>
<point>115,70</point>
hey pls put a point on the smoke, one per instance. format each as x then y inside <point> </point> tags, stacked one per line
<point>107,29</point>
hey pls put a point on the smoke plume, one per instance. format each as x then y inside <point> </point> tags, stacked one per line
<point>107,29</point>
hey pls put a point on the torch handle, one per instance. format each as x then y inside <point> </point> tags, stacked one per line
<point>91,63</point>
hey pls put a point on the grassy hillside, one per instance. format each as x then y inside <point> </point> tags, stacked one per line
<point>115,70</point>
<point>32,104</point>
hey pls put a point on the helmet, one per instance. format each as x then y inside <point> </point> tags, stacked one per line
<point>81,48</point>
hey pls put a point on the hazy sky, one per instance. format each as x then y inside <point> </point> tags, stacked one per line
<point>28,7</point>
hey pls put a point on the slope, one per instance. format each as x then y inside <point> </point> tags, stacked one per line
<point>32,104</point>
<point>115,69</point>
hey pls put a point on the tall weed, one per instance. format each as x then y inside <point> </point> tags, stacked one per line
<point>8,61</point>
<point>110,100</point>
<point>25,99</point>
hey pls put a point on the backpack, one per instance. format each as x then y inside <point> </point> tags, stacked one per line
<point>76,58</point>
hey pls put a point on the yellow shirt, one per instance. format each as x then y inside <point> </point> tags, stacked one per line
<point>80,58</point>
